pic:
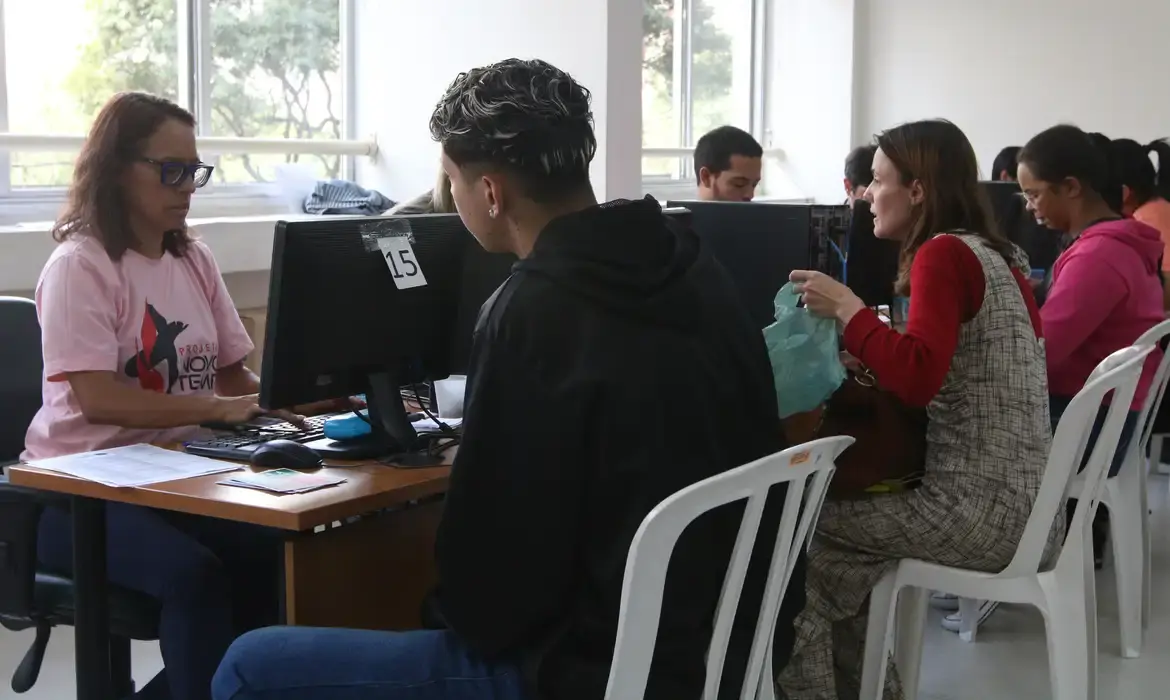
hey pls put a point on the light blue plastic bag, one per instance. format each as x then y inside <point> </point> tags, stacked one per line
<point>803,349</point>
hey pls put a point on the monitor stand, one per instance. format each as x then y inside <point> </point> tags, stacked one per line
<point>391,438</point>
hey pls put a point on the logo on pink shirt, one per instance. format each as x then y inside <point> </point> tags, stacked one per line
<point>187,368</point>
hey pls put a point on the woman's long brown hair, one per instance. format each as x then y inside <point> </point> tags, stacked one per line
<point>96,205</point>
<point>937,154</point>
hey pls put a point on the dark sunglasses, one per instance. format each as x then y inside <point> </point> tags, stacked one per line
<point>174,174</point>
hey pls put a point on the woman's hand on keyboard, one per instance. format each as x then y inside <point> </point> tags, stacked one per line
<point>237,409</point>
<point>333,406</point>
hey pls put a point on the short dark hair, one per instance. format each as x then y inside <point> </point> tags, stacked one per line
<point>525,117</point>
<point>1064,151</point>
<point>95,204</point>
<point>716,147</point>
<point>1134,169</point>
<point>1007,161</point>
<point>859,165</point>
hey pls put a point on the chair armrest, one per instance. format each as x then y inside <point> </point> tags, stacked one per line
<point>20,515</point>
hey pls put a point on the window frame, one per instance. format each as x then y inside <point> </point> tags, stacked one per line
<point>194,63</point>
<point>683,104</point>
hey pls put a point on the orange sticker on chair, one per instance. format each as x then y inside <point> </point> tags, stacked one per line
<point>799,458</point>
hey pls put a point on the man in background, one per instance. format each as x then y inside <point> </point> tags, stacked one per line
<point>1003,168</point>
<point>858,172</point>
<point>728,165</point>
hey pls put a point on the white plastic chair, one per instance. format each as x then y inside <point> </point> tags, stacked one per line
<point>807,469</point>
<point>1125,496</point>
<point>1065,593</point>
<point>1127,500</point>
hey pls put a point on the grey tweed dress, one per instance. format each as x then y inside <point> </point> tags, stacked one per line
<point>988,437</point>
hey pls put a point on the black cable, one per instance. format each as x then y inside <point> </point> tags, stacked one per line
<point>442,426</point>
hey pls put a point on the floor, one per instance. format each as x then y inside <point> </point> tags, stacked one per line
<point>1009,661</point>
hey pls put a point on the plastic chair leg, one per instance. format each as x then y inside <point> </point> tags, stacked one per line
<point>969,612</point>
<point>1071,632</point>
<point>1126,529</point>
<point>913,605</point>
<point>879,637</point>
<point>767,688</point>
<point>1147,552</point>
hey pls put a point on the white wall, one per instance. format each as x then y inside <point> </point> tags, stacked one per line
<point>1004,70</point>
<point>809,109</point>
<point>409,52</point>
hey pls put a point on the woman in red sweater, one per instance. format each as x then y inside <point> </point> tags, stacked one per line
<point>971,355</point>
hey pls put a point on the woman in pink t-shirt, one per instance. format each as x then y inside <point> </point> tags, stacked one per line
<point>142,343</point>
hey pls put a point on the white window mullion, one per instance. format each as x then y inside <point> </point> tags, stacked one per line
<point>201,35</point>
<point>681,89</point>
<point>185,60</point>
<point>347,52</point>
<point>758,82</point>
<point>5,156</point>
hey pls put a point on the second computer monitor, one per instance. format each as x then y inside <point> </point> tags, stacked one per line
<point>758,243</point>
<point>483,274</point>
<point>1040,243</point>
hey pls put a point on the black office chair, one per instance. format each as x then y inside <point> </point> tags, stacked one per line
<point>31,598</point>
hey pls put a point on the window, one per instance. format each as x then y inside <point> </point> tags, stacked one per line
<point>246,68</point>
<point>697,74</point>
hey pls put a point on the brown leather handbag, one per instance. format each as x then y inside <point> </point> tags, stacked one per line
<point>891,438</point>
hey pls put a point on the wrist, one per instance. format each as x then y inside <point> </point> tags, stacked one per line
<point>217,408</point>
<point>848,309</point>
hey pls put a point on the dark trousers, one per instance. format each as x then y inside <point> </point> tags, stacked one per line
<point>1057,405</point>
<point>214,579</point>
<point>304,663</point>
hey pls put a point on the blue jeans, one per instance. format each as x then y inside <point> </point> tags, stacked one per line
<point>305,663</point>
<point>213,579</point>
<point>1057,405</point>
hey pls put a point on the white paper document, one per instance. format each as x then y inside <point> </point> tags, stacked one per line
<point>135,465</point>
<point>426,425</point>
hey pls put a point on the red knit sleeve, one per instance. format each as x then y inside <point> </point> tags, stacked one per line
<point>947,287</point>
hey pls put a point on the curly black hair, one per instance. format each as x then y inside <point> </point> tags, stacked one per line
<point>524,117</point>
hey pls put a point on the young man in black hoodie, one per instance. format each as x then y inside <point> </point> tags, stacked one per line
<point>613,369</point>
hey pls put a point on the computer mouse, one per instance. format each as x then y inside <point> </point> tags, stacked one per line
<point>286,454</point>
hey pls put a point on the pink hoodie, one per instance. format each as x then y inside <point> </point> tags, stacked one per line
<point>1105,293</point>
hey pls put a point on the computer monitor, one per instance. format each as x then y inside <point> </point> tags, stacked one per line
<point>339,325</point>
<point>1040,243</point>
<point>872,266</point>
<point>483,274</point>
<point>758,243</point>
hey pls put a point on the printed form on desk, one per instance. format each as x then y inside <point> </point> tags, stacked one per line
<point>134,465</point>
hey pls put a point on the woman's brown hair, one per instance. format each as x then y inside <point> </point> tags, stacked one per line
<point>938,154</point>
<point>96,206</point>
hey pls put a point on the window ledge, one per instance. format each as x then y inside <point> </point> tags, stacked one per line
<point>240,244</point>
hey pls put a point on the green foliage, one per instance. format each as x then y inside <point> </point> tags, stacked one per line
<point>273,64</point>
<point>711,62</point>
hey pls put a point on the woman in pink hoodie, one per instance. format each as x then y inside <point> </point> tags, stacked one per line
<point>1106,289</point>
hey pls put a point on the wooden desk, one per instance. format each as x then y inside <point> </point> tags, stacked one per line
<point>355,555</point>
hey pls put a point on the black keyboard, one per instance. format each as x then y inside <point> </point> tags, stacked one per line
<point>240,445</point>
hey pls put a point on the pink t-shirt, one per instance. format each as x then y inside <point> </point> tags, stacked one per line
<point>162,325</point>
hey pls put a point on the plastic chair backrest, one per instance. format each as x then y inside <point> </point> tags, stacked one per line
<point>20,373</point>
<point>1152,337</point>
<point>1119,374</point>
<point>807,469</point>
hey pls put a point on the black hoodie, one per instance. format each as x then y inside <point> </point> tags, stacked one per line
<point>614,368</point>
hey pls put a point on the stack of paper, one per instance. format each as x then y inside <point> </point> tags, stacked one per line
<point>282,481</point>
<point>135,465</point>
